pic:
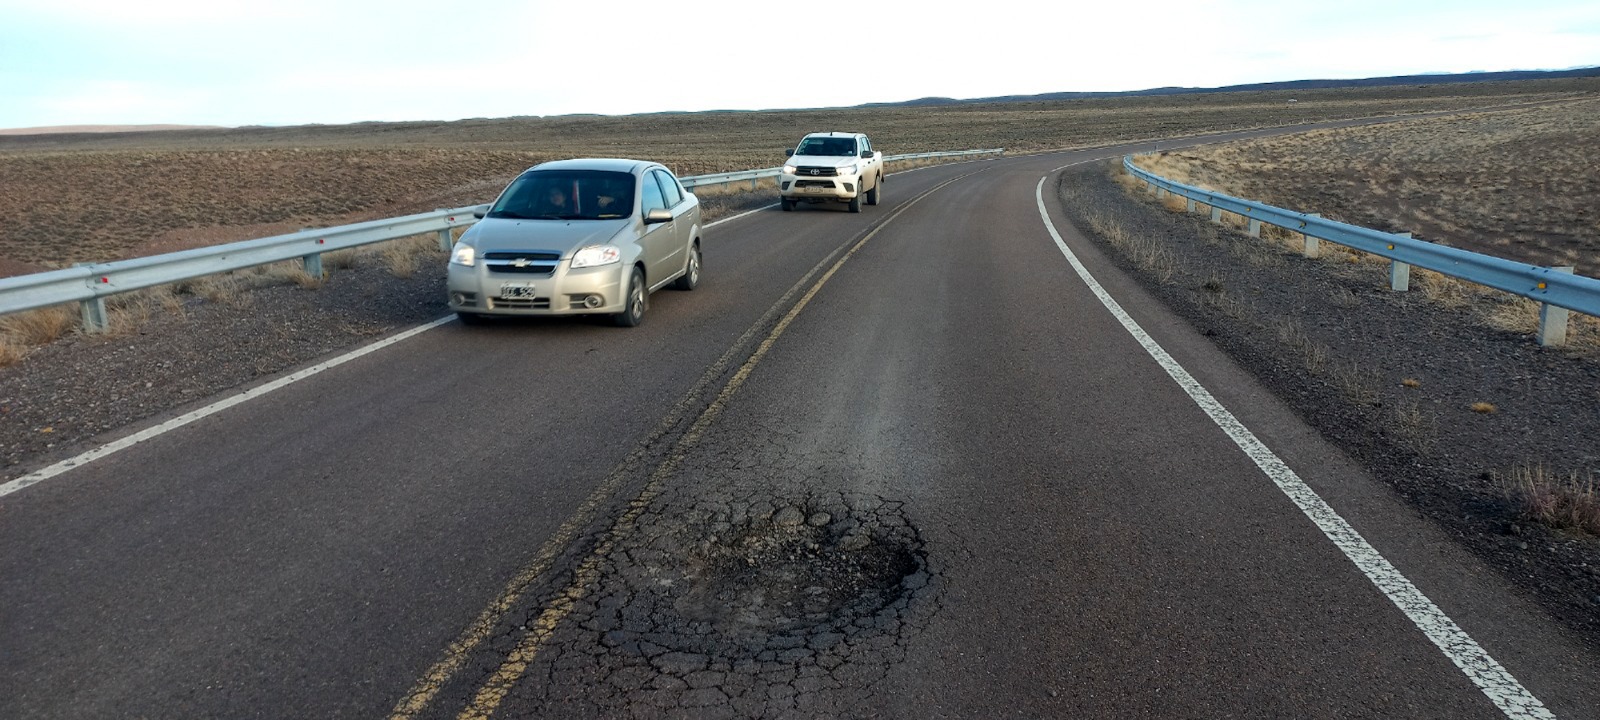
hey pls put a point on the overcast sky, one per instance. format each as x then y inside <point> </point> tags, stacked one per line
<point>214,62</point>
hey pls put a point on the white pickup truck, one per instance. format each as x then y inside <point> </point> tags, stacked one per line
<point>832,167</point>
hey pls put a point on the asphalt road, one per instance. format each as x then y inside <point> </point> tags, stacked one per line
<point>902,463</point>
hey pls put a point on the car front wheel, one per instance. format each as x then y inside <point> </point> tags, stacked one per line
<point>633,312</point>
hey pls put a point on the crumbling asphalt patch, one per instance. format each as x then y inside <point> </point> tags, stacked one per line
<point>749,607</point>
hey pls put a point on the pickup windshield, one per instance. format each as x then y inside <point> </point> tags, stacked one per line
<point>567,195</point>
<point>827,146</point>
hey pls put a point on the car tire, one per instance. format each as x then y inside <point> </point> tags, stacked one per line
<point>690,279</point>
<point>469,318</point>
<point>633,310</point>
<point>855,203</point>
<point>788,205</point>
<point>872,195</point>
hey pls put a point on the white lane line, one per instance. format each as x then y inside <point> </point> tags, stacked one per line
<point>216,407</point>
<point>1495,682</point>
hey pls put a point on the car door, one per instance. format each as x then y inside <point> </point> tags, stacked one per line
<point>682,223</point>
<point>658,238</point>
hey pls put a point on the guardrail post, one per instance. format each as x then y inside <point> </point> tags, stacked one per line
<point>446,241</point>
<point>1313,245</point>
<point>755,184</point>
<point>1255,228</point>
<point>1216,214</point>
<point>94,315</point>
<point>1553,320</point>
<point>313,265</point>
<point>1399,272</point>
<point>93,311</point>
<point>1188,206</point>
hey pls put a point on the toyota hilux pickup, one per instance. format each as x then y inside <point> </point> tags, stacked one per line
<point>832,167</point>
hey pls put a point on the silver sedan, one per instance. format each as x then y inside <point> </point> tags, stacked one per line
<point>576,237</point>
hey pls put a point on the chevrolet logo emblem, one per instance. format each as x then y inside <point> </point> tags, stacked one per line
<point>519,263</point>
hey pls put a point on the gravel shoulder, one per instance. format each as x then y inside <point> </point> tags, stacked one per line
<point>1391,378</point>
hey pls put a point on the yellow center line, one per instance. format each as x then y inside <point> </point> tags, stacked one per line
<point>494,691</point>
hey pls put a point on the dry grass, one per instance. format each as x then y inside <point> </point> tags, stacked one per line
<point>11,352</point>
<point>1414,427</point>
<point>1566,502</point>
<point>1483,408</point>
<point>1313,355</point>
<point>1358,384</point>
<point>39,327</point>
<point>1149,254</point>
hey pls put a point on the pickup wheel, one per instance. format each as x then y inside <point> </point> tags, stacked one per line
<point>786,203</point>
<point>855,203</point>
<point>872,195</point>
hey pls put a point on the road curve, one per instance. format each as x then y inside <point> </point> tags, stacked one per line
<point>902,463</point>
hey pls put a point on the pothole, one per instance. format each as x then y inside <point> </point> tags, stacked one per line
<point>803,567</point>
<point>781,581</point>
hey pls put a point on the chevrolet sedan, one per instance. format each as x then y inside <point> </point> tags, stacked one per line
<point>578,237</point>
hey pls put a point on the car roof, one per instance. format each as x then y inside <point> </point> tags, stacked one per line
<point>832,134</point>
<point>611,164</point>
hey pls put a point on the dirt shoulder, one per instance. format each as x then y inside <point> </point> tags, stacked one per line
<point>1392,378</point>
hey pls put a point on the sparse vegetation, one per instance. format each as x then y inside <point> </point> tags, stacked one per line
<point>38,327</point>
<point>1562,501</point>
<point>1483,408</point>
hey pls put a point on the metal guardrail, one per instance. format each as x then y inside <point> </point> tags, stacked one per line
<point>755,176</point>
<point>1556,289</point>
<point>91,284</point>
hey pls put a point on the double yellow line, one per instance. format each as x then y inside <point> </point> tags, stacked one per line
<point>488,697</point>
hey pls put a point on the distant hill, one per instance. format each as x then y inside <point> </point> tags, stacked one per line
<point>1431,79</point>
<point>65,129</point>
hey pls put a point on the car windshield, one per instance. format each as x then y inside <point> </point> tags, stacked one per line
<point>827,146</point>
<point>567,195</point>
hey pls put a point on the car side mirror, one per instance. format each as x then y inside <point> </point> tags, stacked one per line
<point>657,215</point>
<point>788,152</point>
<point>480,211</point>
<point>866,153</point>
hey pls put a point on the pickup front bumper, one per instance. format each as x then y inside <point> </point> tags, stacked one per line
<point>818,183</point>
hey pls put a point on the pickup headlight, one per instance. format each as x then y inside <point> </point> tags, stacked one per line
<point>596,255</point>
<point>849,169</point>
<point>789,169</point>
<point>464,255</point>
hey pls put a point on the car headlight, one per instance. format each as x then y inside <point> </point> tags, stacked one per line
<point>596,255</point>
<point>789,169</point>
<point>849,169</point>
<point>464,255</point>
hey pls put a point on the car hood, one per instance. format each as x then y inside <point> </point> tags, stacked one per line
<point>824,160</point>
<point>563,236</point>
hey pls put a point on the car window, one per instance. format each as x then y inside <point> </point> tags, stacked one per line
<point>650,197</point>
<point>866,145</point>
<point>669,187</point>
<point>566,195</point>
<point>827,146</point>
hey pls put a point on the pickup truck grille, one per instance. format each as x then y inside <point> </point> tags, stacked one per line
<point>523,263</point>
<point>816,172</point>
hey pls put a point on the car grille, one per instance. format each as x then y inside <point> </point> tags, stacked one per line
<point>522,262</point>
<point>538,303</point>
<point>814,183</point>
<point>816,171</point>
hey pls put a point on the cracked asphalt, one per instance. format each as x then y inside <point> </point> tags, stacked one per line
<point>895,464</point>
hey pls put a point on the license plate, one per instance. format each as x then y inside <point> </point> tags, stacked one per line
<point>813,189</point>
<point>513,291</point>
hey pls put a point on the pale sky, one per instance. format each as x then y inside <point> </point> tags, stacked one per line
<point>214,62</point>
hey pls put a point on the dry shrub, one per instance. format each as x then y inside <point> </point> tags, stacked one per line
<point>227,289</point>
<point>1483,408</point>
<point>293,271</point>
<point>39,327</point>
<point>341,259</point>
<point>1147,254</point>
<point>1175,203</point>
<point>1442,289</point>
<point>11,352</point>
<point>404,256</point>
<point>1566,502</point>
<point>1358,385</point>
<point>1313,355</point>
<point>1413,426</point>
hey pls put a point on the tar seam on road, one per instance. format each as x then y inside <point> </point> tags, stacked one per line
<point>488,698</point>
<point>1494,680</point>
<point>216,407</point>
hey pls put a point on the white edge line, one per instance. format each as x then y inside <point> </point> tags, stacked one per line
<point>189,417</point>
<point>1494,680</point>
